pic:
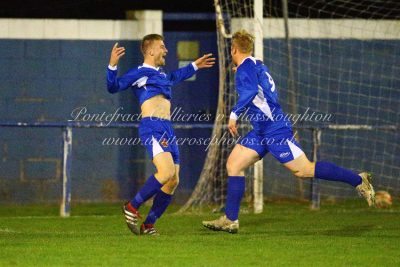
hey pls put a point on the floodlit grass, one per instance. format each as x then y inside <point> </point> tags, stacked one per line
<point>286,234</point>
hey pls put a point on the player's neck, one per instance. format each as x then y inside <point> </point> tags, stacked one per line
<point>150,62</point>
<point>241,58</point>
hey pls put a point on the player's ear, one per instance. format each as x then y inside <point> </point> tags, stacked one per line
<point>234,50</point>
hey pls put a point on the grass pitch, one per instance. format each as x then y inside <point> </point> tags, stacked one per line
<point>286,234</point>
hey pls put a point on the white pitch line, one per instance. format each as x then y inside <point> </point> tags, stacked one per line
<point>7,230</point>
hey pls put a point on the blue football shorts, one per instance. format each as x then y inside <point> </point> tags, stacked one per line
<point>282,145</point>
<point>158,136</point>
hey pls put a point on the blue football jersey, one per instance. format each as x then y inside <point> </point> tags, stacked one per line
<point>258,97</point>
<point>147,81</point>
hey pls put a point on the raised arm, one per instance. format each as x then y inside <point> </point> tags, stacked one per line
<point>115,84</point>
<point>186,72</point>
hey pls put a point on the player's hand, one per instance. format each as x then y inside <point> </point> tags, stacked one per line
<point>116,54</point>
<point>205,61</point>
<point>232,127</point>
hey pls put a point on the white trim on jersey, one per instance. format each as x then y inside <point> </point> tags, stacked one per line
<point>296,151</point>
<point>157,149</point>
<point>150,66</point>
<point>195,66</point>
<point>141,82</point>
<point>252,58</point>
<point>112,67</point>
<point>233,116</point>
<point>260,102</point>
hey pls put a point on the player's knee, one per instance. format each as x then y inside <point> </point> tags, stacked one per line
<point>232,168</point>
<point>171,185</point>
<point>303,169</point>
<point>304,173</point>
<point>173,182</point>
<point>300,174</point>
<point>165,175</point>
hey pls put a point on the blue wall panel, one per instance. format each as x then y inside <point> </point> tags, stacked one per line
<point>12,49</point>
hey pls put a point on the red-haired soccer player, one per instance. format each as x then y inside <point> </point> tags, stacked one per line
<point>258,95</point>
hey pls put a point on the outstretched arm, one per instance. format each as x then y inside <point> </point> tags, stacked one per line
<point>205,61</point>
<point>186,72</point>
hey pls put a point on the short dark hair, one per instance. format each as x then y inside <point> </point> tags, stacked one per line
<point>148,40</point>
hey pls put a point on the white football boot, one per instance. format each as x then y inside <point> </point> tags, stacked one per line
<point>223,224</point>
<point>365,189</point>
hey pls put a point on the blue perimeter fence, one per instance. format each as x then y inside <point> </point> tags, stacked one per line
<point>65,207</point>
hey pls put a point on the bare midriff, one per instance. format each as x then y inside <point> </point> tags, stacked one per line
<point>157,106</point>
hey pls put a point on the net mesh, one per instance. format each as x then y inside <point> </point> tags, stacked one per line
<point>338,71</point>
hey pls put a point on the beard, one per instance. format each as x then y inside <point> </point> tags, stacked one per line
<point>160,60</point>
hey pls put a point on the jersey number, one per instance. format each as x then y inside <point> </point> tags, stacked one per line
<point>271,82</point>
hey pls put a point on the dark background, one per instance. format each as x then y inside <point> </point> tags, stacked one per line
<point>115,9</point>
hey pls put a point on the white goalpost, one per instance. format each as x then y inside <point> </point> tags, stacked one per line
<point>258,53</point>
<point>211,185</point>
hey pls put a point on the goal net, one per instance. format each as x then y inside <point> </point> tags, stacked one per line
<point>335,64</point>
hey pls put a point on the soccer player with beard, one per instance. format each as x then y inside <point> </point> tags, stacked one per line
<point>152,87</point>
<point>258,96</point>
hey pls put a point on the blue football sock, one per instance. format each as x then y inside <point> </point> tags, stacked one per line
<point>329,171</point>
<point>160,203</point>
<point>149,189</point>
<point>236,186</point>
